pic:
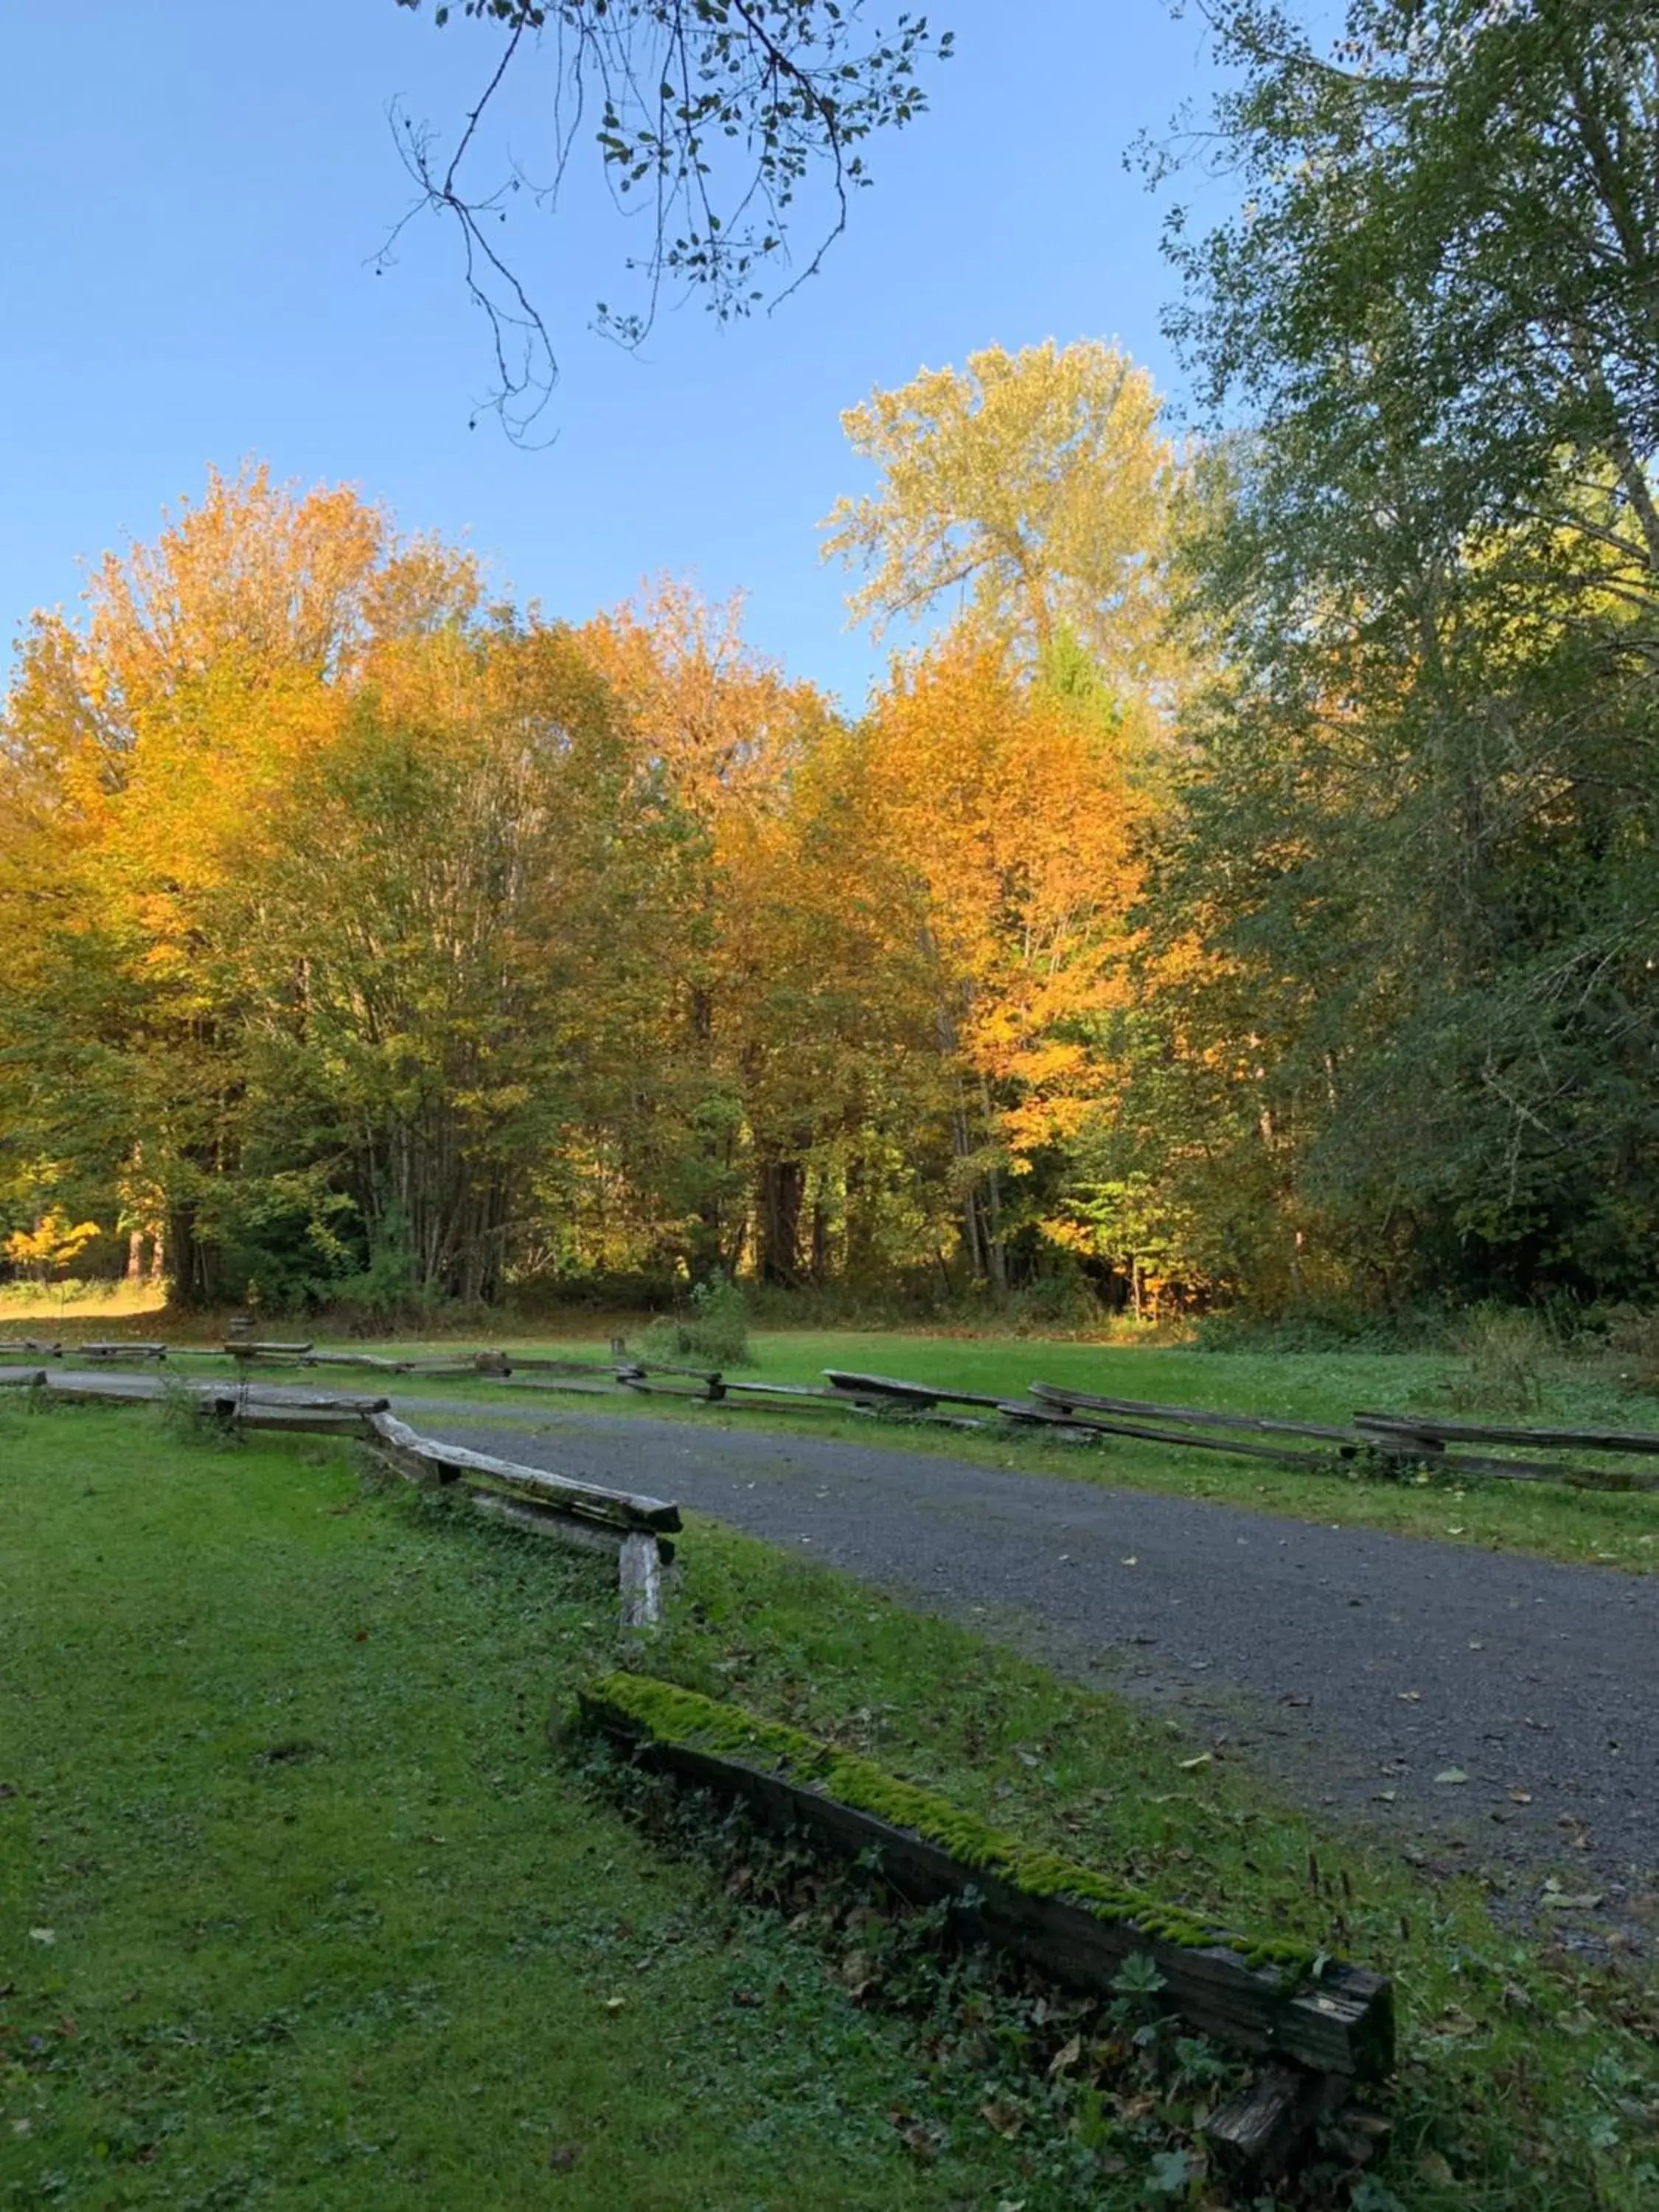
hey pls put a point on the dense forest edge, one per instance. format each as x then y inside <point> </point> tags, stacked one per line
<point>1243,900</point>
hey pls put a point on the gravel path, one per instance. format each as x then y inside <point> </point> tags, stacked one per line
<point>1357,1669</point>
<point>1347,1663</point>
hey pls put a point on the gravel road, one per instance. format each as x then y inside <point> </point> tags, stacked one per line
<point>1347,1663</point>
<point>1356,1668</point>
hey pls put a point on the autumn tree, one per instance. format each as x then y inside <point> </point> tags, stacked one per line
<point>1001,840</point>
<point>1033,487</point>
<point>724,734</point>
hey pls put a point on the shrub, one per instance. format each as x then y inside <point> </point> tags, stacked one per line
<point>1633,1344</point>
<point>716,1328</point>
<point>1504,1349</point>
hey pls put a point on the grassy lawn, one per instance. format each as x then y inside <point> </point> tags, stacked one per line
<point>328,1923</point>
<point>295,1908</point>
<point>1593,1527</point>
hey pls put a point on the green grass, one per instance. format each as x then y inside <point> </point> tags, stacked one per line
<point>1594,1527</point>
<point>1527,2078</point>
<point>330,1924</point>
<point>297,1908</point>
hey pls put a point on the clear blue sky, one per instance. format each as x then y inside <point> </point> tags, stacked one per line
<point>198,190</point>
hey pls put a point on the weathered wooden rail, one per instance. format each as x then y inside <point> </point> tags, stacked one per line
<point>1324,2025</point>
<point>632,1530</point>
<point>1403,1443</point>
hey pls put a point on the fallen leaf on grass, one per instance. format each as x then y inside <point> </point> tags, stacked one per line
<point>1558,1900</point>
<point>1066,2057</point>
<point>1006,2119</point>
<point>1433,2167</point>
<point>43,1935</point>
<point>1451,1774</point>
<point>614,2004</point>
<point>1191,1765</point>
<point>1520,1796</point>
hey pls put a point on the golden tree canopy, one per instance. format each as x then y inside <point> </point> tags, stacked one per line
<point>1036,483</point>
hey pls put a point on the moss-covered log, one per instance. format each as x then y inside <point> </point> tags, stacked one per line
<point>1260,1995</point>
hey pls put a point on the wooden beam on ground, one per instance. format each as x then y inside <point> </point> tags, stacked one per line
<point>121,1351</point>
<point>224,1399</point>
<point>572,1386</point>
<point>1255,2136</point>
<point>539,1366</point>
<point>430,1460</point>
<point>631,1530</point>
<point>526,1513</point>
<point>1342,2023</point>
<point>357,1359</point>
<point>808,1391</point>
<point>248,1347</point>
<point>1530,1470</point>
<point>1430,1428</point>
<point>1056,1393</point>
<point>710,1394</point>
<point>892,1386</point>
<point>1099,1425</point>
<point>638,1570</point>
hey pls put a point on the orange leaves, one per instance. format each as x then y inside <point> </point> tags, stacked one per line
<point>1005,826</point>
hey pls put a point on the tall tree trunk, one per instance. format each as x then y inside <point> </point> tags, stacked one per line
<point>783,1193</point>
<point>198,1267</point>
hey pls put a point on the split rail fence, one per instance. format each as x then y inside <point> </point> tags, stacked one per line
<point>634,1530</point>
<point>1399,1445</point>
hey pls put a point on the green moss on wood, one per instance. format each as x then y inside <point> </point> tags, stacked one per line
<point>676,1715</point>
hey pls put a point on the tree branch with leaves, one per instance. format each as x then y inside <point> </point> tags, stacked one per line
<point>713,116</point>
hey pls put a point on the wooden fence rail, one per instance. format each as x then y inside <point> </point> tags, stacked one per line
<point>632,1530</point>
<point>1404,1441</point>
<point>1325,2027</point>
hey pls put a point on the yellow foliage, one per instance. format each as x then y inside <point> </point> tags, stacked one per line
<point>50,1243</point>
<point>1038,482</point>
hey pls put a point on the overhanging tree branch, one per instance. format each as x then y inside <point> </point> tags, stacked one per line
<point>718,114</point>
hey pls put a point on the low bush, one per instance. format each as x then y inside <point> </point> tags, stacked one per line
<point>715,1327</point>
<point>1633,1347</point>
<point>1504,1350</point>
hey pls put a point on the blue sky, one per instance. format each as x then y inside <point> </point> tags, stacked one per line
<point>198,189</point>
